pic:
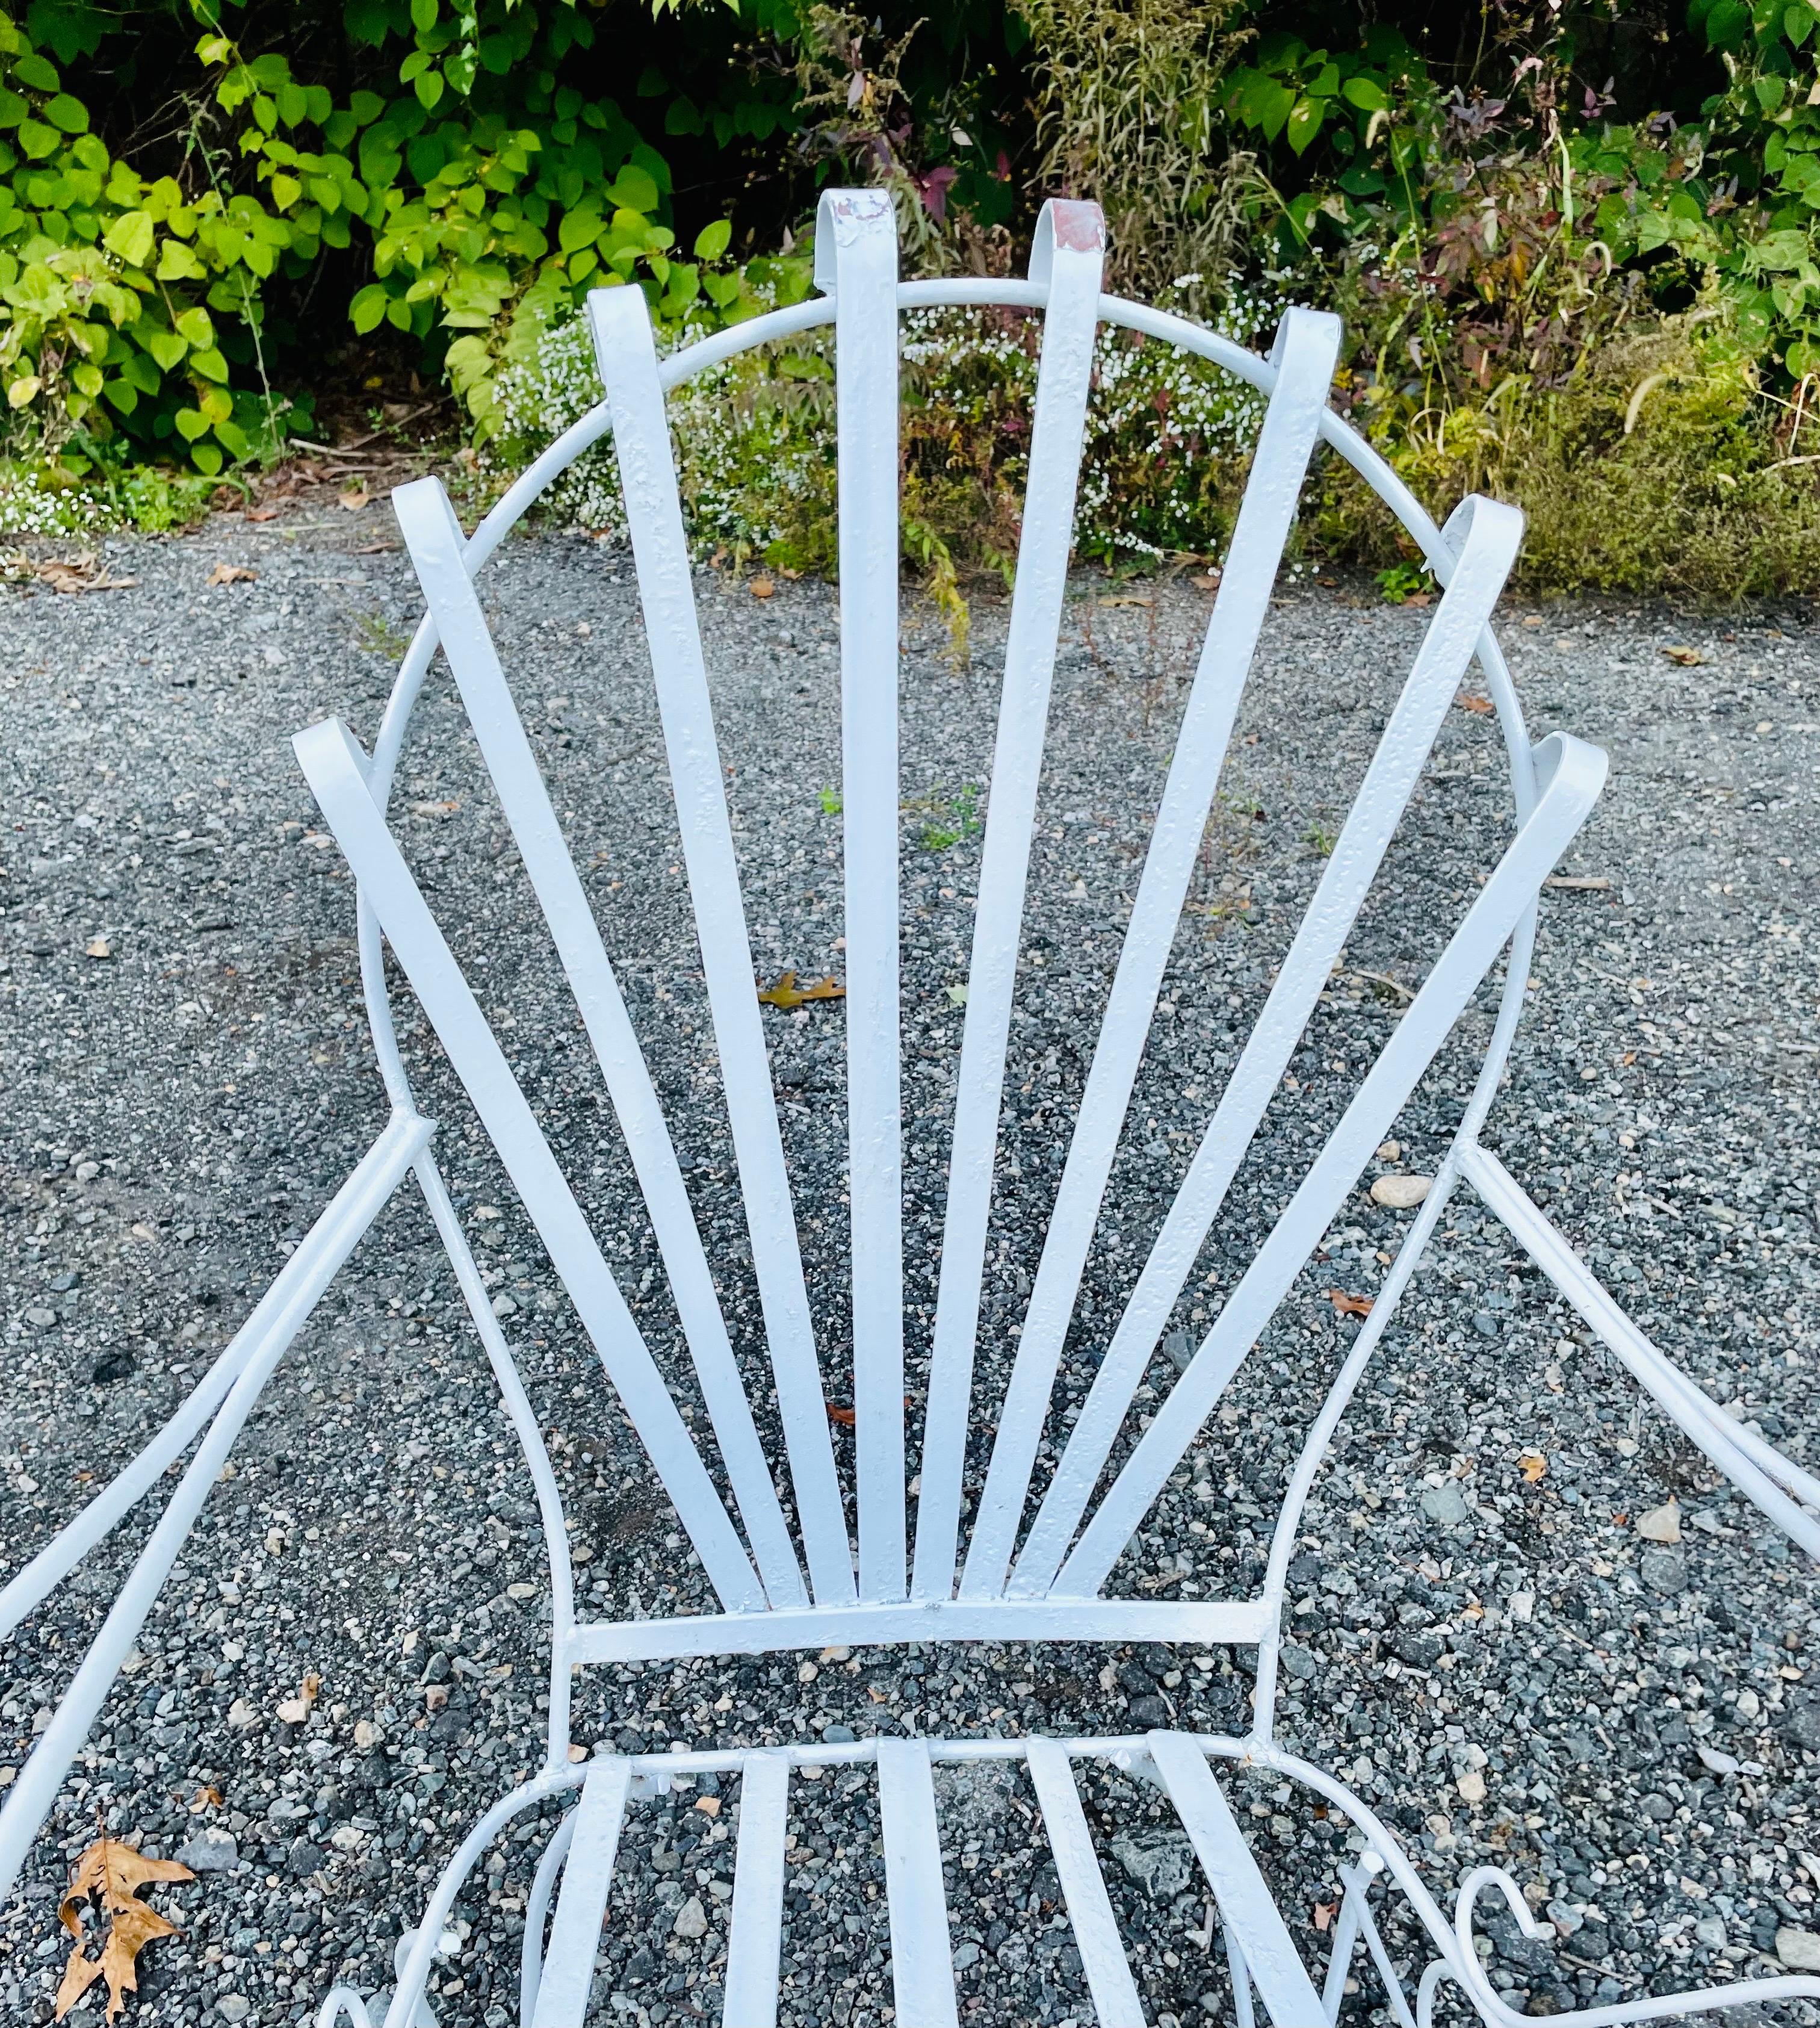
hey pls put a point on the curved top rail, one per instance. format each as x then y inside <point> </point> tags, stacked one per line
<point>813,314</point>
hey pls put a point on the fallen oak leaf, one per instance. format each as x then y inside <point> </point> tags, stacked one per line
<point>1687,658</point>
<point>262,514</point>
<point>114,1873</point>
<point>1467,701</point>
<point>1347,1305</point>
<point>1534,1467</point>
<point>846,1417</point>
<point>232,574</point>
<point>787,994</point>
<point>762,587</point>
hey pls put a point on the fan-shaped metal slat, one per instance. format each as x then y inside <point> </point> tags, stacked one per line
<point>1096,1927</point>
<point>922,1955</point>
<point>755,1943</point>
<point>1307,345</point>
<point>1579,773</point>
<point>433,537</point>
<point>1487,552</point>
<point>575,1935</point>
<point>333,766</point>
<point>626,350</point>
<point>857,257</point>
<point>1069,251</point>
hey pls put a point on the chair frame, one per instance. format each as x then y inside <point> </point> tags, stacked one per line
<point>886,1582</point>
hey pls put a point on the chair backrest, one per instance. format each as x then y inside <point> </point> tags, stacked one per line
<point>876,1570</point>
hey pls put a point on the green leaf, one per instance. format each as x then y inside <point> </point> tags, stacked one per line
<point>165,346</point>
<point>428,86</point>
<point>70,115</point>
<point>1798,25</point>
<point>1369,97</point>
<point>368,308</point>
<point>37,140</point>
<point>634,189</point>
<point>423,16</point>
<point>192,424</point>
<point>32,71</point>
<point>87,378</point>
<point>195,324</point>
<point>132,237</point>
<point>1304,123</point>
<point>210,364</point>
<point>12,108</point>
<point>207,458</point>
<point>713,241</point>
<point>1769,92</point>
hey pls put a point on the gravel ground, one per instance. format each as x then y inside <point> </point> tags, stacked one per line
<point>1492,1658</point>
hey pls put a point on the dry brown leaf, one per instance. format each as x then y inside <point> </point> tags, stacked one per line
<point>208,1797</point>
<point>1467,701</point>
<point>847,1417</point>
<point>787,994</point>
<point>97,947</point>
<point>762,587</point>
<point>1325,1911</point>
<point>1533,1466</point>
<point>353,501</point>
<point>1349,1306</point>
<point>1579,883</point>
<point>112,1873</point>
<point>232,574</point>
<point>1127,598</point>
<point>1688,658</point>
<point>262,514</point>
<point>82,572</point>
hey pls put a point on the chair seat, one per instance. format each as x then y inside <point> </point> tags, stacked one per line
<point>736,1941</point>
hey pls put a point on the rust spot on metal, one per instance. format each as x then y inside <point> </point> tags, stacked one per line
<point>1080,227</point>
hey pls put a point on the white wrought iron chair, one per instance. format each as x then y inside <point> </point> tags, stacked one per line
<point>1017,1576</point>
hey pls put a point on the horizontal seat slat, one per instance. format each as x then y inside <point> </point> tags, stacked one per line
<point>922,1955</point>
<point>755,1946</point>
<point>574,1937</point>
<point>1096,1928</point>
<point>1245,1901</point>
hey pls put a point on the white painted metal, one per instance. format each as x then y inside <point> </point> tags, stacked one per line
<point>1758,1471</point>
<point>29,1799</point>
<point>1103,1959</point>
<point>856,258</point>
<point>922,1955</point>
<point>334,767</point>
<point>433,536</point>
<point>755,1944</point>
<point>1243,1621</point>
<point>1488,537</point>
<point>1245,1902</point>
<point>1069,254</point>
<point>1575,773</point>
<point>627,354</point>
<point>1307,345</point>
<point>575,1935</point>
<point>1056,1574</point>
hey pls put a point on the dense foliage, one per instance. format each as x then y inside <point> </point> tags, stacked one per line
<point>1577,242</point>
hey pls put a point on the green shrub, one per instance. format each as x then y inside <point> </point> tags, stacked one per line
<point>1168,441</point>
<point>484,196</point>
